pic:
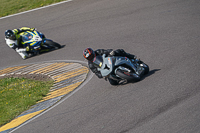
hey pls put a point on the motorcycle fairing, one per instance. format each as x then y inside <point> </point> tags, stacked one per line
<point>123,61</point>
<point>32,38</point>
<point>115,63</point>
<point>107,65</point>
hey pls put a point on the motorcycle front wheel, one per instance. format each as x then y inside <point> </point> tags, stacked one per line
<point>146,68</point>
<point>128,76</point>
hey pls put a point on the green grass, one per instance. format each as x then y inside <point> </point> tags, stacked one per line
<point>18,95</point>
<point>8,7</point>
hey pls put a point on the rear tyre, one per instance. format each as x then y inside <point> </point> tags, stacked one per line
<point>113,82</point>
<point>128,76</point>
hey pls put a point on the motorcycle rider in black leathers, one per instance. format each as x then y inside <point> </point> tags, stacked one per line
<point>89,54</point>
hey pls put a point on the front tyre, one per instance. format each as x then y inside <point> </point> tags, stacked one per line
<point>146,68</point>
<point>128,76</point>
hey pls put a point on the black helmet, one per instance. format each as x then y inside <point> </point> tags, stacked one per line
<point>10,35</point>
<point>88,54</point>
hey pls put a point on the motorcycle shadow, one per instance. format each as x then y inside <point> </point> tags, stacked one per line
<point>142,78</point>
<point>46,51</point>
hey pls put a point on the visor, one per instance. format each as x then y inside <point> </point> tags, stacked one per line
<point>13,37</point>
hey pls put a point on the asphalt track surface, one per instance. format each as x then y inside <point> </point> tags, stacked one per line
<point>163,33</point>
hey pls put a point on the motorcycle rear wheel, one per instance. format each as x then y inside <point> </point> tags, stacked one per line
<point>128,76</point>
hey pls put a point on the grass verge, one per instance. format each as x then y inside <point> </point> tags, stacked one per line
<point>8,7</point>
<point>18,95</point>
